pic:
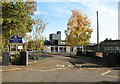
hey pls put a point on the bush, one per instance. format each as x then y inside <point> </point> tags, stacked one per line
<point>15,59</point>
<point>79,53</point>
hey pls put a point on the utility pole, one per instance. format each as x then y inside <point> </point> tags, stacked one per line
<point>97,31</point>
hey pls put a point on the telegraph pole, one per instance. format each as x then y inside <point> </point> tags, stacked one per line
<point>97,31</point>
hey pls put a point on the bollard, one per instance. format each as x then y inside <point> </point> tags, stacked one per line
<point>5,58</point>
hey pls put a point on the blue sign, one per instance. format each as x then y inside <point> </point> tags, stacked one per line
<point>15,39</point>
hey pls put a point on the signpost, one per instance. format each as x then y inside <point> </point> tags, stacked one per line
<point>99,54</point>
<point>15,40</point>
<point>16,43</point>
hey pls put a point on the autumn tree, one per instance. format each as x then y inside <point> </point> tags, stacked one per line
<point>38,38</point>
<point>16,19</point>
<point>27,39</point>
<point>1,21</point>
<point>78,30</point>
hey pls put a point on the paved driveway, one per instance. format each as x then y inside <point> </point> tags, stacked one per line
<point>58,69</point>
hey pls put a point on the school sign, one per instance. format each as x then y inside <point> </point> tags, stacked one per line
<point>15,39</point>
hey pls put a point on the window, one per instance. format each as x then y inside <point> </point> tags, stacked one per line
<point>56,49</point>
<point>105,48</point>
<point>52,49</point>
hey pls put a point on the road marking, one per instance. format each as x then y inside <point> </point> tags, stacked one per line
<point>69,65</point>
<point>63,66</point>
<point>49,70</point>
<point>105,73</point>
<point>112,76</point>
<point>8,70</point>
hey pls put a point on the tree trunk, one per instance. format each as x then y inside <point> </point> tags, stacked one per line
<point>82,48</point>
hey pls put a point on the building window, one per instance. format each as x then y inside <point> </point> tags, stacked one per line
<point>52,49</point>
<point>105,48</point>
<point>56,49</point>
<point>110,48</point>
<point>71,49</point>
<point>64,49</point>
<point>60,49</point>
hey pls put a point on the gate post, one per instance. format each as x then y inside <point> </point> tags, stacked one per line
<point>24,58</point>
<point>5,58</point>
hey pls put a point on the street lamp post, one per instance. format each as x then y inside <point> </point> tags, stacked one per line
<point>97,31</point>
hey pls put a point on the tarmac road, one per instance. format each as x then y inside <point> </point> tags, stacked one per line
<point>58,69</point>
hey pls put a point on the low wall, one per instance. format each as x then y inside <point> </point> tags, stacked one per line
<point>102,58</point>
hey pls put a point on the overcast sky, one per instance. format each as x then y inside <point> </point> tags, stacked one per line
<point>56,14</point>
